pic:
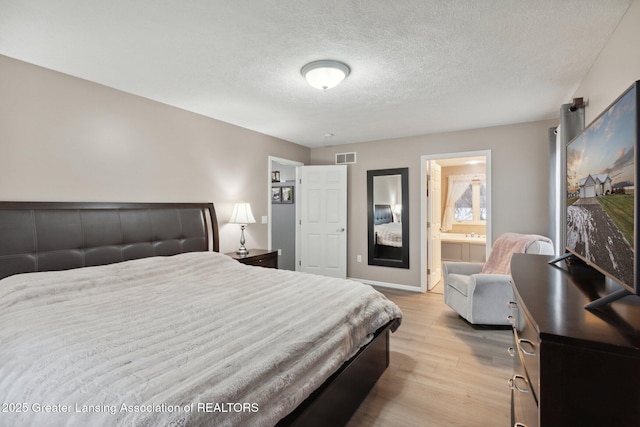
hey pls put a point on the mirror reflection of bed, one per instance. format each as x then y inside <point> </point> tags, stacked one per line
<point>388,233</point>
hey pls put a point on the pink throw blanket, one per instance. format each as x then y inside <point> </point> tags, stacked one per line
<point>499,261</point>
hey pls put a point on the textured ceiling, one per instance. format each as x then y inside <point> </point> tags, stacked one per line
<point>417,67</point>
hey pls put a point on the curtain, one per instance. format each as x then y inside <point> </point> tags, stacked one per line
<point>458,184</point>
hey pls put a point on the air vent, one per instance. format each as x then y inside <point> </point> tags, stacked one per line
<point>345,158</point>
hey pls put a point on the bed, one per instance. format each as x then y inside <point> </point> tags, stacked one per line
<point>125,314</point>
<point>388,234</point>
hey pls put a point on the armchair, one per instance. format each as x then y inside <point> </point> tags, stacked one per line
<point>480,292</point>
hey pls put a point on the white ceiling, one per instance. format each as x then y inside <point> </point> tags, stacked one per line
<point>417,66</point>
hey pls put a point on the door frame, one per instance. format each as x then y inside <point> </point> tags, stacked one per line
<point>280,160</point>
<point>424,254</point>
<point>430,221</point>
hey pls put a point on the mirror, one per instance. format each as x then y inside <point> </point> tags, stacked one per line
<point>388,217</point>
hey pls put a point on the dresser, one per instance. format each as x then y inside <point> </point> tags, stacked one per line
<point>572,366</point>
<point>258,257</point>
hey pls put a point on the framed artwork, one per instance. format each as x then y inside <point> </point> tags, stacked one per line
<point>276,195</point>
<point>287,194</point>
<point>275,176</point>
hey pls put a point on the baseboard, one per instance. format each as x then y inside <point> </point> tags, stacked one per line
<point>388,285</point>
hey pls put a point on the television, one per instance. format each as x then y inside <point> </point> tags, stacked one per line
<point>601,195</point>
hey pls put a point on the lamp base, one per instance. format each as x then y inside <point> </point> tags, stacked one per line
<point>242,250</point>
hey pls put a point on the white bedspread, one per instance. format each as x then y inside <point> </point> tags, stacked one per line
<point>389,234</point>
<point>193,339</point>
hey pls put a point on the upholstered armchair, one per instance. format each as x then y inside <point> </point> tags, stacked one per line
<point>480,292</point>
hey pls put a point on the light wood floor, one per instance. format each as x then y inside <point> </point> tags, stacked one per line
<point>443,372</point>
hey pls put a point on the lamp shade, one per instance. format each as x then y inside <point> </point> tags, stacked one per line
<point>242,214</point>
<point>325,74</point>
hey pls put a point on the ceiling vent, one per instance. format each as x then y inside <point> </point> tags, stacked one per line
<point>345,158</point>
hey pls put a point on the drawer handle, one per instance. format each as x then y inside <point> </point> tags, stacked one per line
<point>512,304</point>
<point>514,385</point>
<point>511,351</point>
<point>519,425</point>
<point>511,319</point>
<point>528,353</point>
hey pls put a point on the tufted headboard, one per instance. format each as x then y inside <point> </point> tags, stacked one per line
<point>382,214</point>
<point>45,236</point>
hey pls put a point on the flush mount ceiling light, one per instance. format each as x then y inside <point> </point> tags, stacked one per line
<point>325,74</point>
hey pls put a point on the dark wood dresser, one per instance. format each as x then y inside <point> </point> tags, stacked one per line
<point>259,257</point>
<point>572,366</point>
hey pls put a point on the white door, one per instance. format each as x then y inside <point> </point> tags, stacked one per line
<point>322,220</point>
<point>434,219</point>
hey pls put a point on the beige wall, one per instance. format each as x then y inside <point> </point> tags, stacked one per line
<point>616,68</point>
<point>520,170</point>
<point>66,139</point>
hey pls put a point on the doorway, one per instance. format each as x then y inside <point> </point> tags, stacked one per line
<point>455,212</point>
<point>281,211</point>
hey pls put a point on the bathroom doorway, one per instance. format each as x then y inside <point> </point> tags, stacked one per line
<point>455,212</point>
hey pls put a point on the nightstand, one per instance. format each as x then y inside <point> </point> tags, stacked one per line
<point>259,257</point>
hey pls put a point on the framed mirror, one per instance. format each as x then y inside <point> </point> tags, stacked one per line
<point>388,217</point>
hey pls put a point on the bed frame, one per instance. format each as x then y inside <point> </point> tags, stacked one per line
<point>44,236</point>
<point>47,236</point>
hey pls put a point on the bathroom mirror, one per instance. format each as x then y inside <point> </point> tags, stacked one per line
<point>388,217</point>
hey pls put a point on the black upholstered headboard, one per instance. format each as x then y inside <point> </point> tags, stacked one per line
<point>382,214</point>
<point>45,236</point>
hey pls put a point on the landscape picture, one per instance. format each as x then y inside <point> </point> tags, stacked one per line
<point>601,191</point>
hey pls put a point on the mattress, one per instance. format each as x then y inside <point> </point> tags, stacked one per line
<point>191,339</point>
<point>389,234</point>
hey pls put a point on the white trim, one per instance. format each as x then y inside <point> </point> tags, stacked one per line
<point>423,223</point>
<point>270,160</point>
<point>388,285</point>
<point>423,204</point>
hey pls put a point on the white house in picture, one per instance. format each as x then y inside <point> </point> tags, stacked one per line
<point>595,185</point>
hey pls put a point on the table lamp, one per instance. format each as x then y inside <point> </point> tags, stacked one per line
<point>242,215</point>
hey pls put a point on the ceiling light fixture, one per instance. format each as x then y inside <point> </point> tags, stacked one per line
<point>325,74</point>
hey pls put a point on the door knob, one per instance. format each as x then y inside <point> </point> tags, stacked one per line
<point>340,230</point>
